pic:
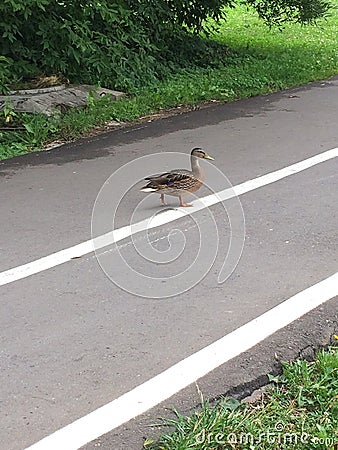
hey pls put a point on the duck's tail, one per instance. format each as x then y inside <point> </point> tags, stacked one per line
<point>149,188</point>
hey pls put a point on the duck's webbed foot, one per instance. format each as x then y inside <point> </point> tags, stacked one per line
<point>185,205</point>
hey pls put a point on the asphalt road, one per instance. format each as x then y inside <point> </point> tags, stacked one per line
<point>72,341</point>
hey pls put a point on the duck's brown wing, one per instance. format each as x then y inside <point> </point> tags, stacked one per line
<point>172,178</point>
<point>170,174</point>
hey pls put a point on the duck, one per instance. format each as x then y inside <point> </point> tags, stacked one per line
<point>179,182</point>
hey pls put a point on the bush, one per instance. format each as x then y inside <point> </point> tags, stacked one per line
<point>85,41</point>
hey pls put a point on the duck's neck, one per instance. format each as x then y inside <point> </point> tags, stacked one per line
<point>196,169</point>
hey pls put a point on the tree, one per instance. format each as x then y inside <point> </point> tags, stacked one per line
<point>301,11</point>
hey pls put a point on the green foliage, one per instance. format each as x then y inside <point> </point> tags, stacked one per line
<point>8,112</point>
<point>121,44</point>
<point>89,42</point>
<point>5,74</point>
<point>279,12</point>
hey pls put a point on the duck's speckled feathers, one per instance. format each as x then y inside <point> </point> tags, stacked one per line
<point>180,179</point>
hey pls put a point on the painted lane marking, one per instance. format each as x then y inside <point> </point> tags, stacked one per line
<point>177,377</point>
<point>63,256</point>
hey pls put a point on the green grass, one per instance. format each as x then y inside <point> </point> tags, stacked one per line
<point>260,60</point>
<point>300,411</point>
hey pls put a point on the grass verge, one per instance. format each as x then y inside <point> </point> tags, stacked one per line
<point>260,60</point>
<point>299,411</point>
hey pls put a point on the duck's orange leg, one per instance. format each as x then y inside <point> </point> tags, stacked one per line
<point>185,205</point>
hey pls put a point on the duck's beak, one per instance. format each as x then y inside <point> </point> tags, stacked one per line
<point>208,157</point>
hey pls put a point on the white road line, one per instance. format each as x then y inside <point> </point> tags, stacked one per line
<point>55,259</point>
<point>190,369</point>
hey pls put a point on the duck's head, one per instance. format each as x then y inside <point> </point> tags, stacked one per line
<point>200,153</point>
